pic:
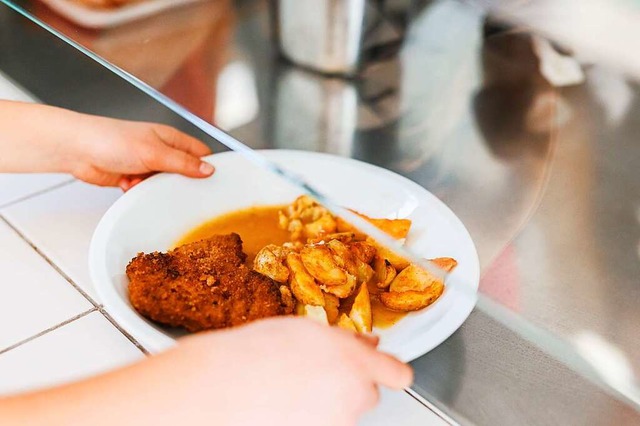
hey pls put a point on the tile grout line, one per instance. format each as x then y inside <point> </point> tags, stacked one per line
<point>39,192</point>
<point>49,261</point>
<point>96,305</point>
<point>123,331</point>
<point>48,330</point>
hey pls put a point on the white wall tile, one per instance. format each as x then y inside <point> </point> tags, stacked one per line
<point>85,347</point>
<point>34,296</point>
<point>61,223</point>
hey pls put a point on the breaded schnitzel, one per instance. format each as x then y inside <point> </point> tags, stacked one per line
<point>203,285</point>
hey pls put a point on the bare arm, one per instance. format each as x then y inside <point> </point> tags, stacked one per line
<point>102,151</point>
<point>281,372</point>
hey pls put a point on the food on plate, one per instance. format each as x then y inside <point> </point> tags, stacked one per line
<point>396,228</point>
<point>334,258</point>
<point>446,263</point>
<point>288,300</point>
<point>412,278</point>
<point>316,313</point>
<point>346,323</point>
<point>332,307</point>
<point>300,259</point>
<point>360,312</point>
<point>397,261</point>
<point>351,257</point>
<point>342,291</point>
<point>203,285</point>
<point>257,226</point>
<point>305,218</point>
<point>384,271</point>
<point>415,288</point>
<point>303,286</point>
<point>412,300</point>
<point>319,260</point>
<point>270,261</point>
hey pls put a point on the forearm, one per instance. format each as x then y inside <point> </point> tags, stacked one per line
<point>35,138</point>
<point>144,393</point>
<point>97,400</point>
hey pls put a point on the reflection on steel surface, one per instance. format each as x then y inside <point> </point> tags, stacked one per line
<point>600,31</point>
<point>339,37</point>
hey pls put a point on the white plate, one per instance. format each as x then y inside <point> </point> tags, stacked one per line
<point>156,213</point>
<point>105,18</point>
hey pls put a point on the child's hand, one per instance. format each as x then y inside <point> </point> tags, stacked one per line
<point>284,371</point>
<point>111,152</point>
<point>97,150</point>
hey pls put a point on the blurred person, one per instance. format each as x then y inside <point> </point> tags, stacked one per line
<point>180,52</point>
<point>284,371</point>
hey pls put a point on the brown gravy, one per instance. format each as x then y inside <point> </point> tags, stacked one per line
<point>258,227</point>
<point>383,317</point>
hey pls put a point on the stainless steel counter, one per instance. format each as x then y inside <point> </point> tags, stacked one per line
<point>546,179</point>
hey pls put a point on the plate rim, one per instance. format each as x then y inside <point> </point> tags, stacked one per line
<point>155,341</point>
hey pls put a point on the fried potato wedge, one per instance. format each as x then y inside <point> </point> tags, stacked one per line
<point>346,323</point>
<point>302,284</point>
<point>343,237</point>
<point>360,312</point>
<point>412,300</point>
<point>396,260</point>
<point>331,306</point>
<point>305,218</point>
<point>270,261</point>
<point>342,291</point>
<point>365,273</point>
<point>384,272</point>
<point>346,259</point>
<point>318,260</point>
<point>343,256</point>
<point>446,263</point>
<point>364,251</point>
<point>324,225</point>
<point>396,228</point>
<point>292,246</point>
<point>412,278</point>
<point>415,278</point>
<point>316,313</point>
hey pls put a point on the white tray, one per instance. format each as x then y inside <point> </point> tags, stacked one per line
<point>105,18</point>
